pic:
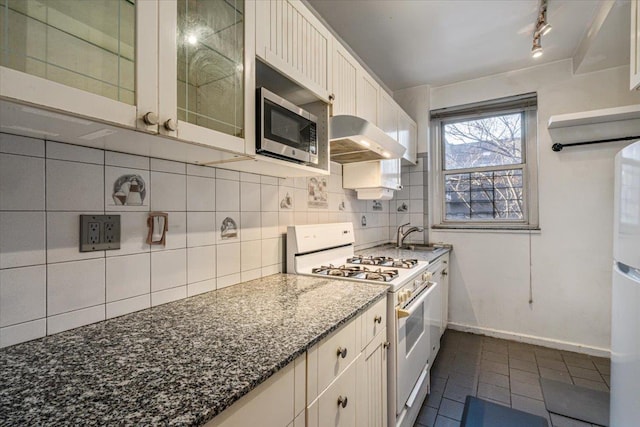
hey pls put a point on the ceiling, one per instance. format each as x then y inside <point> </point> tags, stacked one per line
<point>408,43</point>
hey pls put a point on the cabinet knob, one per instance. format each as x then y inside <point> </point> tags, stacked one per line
<point>150,118</point>
<point>332,97</point>
<point>386,344</point>
<point>377,319</point>
<point>171,125</point>
<point>342,401</point>
<point>342,352</point>
<point>444,272</point>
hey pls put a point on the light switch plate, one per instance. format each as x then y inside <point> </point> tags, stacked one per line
<point>99,232</point>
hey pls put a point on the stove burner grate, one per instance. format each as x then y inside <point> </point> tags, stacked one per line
<point>357,272</point>
<point>383,261</point>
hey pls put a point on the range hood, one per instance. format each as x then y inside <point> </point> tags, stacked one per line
<point>353,139</point>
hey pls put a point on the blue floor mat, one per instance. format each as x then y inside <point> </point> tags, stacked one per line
<point>481,413</point>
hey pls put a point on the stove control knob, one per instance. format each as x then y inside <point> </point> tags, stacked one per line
<point>409,293</point>
<point>426,276</point>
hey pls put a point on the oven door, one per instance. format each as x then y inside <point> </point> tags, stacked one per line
<point>413,343</point>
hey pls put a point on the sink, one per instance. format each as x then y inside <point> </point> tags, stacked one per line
<point>413,247</point>
<point>420,248</point>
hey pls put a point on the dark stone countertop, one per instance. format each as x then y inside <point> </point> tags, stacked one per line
<point>181,363</point>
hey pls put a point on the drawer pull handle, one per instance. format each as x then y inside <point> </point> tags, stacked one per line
<point>342,401</point>
<point>342,352</point>
<point>377,319</point>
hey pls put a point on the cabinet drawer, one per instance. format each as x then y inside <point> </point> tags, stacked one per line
<point>374,321</point>
<point>330,364</point>
<point>327,411</point>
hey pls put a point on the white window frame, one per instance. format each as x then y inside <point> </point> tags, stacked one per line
<point>530,219</point>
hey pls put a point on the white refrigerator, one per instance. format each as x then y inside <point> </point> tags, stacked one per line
<point>625,307</point>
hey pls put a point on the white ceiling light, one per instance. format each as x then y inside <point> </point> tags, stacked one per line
<point>542,27</point>
<point>536,49</point>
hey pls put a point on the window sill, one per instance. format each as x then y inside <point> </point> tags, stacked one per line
<point>525,229</point>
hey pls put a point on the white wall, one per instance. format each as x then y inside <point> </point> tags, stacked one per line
<point>568,263</point>
<point>47,285</point>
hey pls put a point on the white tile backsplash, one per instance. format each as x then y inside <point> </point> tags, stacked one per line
<point>249,197</point>
<point>129,161</point>
<point>133,234</point>
<point>201,287</point>
<point>228,260</point>
<point>63,237</point>
<point>269,198</point>
<point>133,201</point>
<point>201,264</point>
<point>250,255</point>
<point>75,285</point>
<point>170,192</point>
<point>269,225</point>
<point>227,194</point>
<point>22,181</point>
<point>73,186</point>
<point>201,228</point>
<point>60,151</point>
<point>13,144</point>
<point>160,165</point>
<point>22,295</point>
<point>73,319</point>
<point>168,295</point>
<point>227,174</point>
<point>168,269</point>
<point>77,288</point>
<point>129,305</point>
<point>201,194</point>
<point>203,171</point>
<point>128,276</point>
<point>250,225</point>
<point>23,332</point>
<point>22,239</point>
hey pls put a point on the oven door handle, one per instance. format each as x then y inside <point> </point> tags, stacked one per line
<point>408,311</point>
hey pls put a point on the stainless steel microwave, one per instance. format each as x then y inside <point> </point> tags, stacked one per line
<point>284,130</point>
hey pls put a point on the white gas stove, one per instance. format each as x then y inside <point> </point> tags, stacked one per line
<point>328,250</point>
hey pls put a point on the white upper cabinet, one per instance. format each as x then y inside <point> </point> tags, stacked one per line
<point>634,63</point>
<point>294,42</point>
<point>343,81</point>
<point>388,115</point>
<point>205,90</point>
<point>96,59</point>
<point>408,137</point>
<point>367,97</point>
<point>181,68</point>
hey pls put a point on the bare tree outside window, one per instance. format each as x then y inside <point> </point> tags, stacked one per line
<point>483,166</point>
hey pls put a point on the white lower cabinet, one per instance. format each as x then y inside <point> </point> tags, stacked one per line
<point>371,409</point>
<point>339,382</point>
<point>271,404</point>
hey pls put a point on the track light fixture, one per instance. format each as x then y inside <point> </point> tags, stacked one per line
<point>542,27</point>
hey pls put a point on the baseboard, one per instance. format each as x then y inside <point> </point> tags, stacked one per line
<point>531,339</point>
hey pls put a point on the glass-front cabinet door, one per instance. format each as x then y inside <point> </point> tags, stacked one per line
<point>203,84</point>
<point>94,58</point>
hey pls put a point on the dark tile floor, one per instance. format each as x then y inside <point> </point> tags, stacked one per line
<point>505,372</point>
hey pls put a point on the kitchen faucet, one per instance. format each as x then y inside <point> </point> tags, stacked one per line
<point>401,234</point>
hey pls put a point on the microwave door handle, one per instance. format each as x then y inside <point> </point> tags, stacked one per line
<point>408,311</point>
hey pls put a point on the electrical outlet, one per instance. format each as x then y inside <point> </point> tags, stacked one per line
<point>93,235</point>
<point>99,232</point>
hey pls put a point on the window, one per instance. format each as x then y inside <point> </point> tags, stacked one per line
<point>485,164</point>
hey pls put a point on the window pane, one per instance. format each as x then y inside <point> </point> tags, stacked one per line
<point>491,141</point>
<point>484,195</point>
